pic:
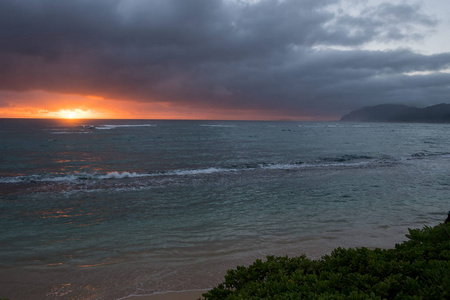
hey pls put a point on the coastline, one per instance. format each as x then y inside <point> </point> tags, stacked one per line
<point>174,281</point>
<point>170,295</point>
<point>314,248</point>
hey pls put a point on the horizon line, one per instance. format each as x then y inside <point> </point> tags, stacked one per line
<point>137,119</point>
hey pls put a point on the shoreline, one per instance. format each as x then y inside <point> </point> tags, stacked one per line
<point>169,295</point>
<point>176,282</point>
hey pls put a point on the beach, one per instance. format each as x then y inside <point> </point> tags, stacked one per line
<point>183,295</point>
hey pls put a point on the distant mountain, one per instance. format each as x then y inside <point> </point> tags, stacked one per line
<point>439,113</point>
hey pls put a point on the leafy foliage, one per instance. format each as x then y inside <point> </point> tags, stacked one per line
<point>416,269</point>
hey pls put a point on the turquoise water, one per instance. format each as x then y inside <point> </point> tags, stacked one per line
<point>101,209</point>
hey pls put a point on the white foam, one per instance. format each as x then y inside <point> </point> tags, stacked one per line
<point>335,125</point>
<point>68,178</point>
<point>11,179</point>
<point>76,177</point>
<point>108,127</point>
<point>37,178</point>
<point>71,177</point>
<point>216,125</point>
<point>110,175</point>
<point>118,175</point>
<point>312,125</point>
<point>344,164</point>
<point>296,166</point>
<point>282,166</point>
<point>199,171</point>
<point>66,131</point>
<point>360,126</point>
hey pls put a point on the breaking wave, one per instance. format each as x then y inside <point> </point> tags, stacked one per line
<point>108,127</point>
<point>216,125</point>
<point>337,125</point>
<point>70,177</point>
<point>338,162</point>
<point>296,165</point>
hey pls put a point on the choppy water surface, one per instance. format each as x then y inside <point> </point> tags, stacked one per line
<point>108,208</point>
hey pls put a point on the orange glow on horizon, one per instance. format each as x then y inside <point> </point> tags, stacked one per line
<point>76,114</point>
<point>45,105</point>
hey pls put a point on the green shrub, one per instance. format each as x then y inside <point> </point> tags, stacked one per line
<point>416,269</point>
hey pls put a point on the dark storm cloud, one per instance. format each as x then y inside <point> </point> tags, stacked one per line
<point>219,54</point>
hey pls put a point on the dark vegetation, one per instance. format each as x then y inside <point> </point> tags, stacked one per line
<point>415,269</point>
<point>400,113</point>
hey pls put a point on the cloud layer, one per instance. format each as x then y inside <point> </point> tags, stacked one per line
<point>291,57</point>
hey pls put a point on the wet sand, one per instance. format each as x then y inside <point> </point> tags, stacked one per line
<point>173,281</point>
<point>182,295</point>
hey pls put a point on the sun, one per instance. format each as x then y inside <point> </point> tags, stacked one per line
<point>74,114</point>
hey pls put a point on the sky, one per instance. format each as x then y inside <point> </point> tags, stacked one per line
<point>220,59</point>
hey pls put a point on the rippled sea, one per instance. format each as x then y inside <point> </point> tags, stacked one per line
<point>103,209</point>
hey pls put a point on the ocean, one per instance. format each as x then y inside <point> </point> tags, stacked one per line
<point>104,209</point>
